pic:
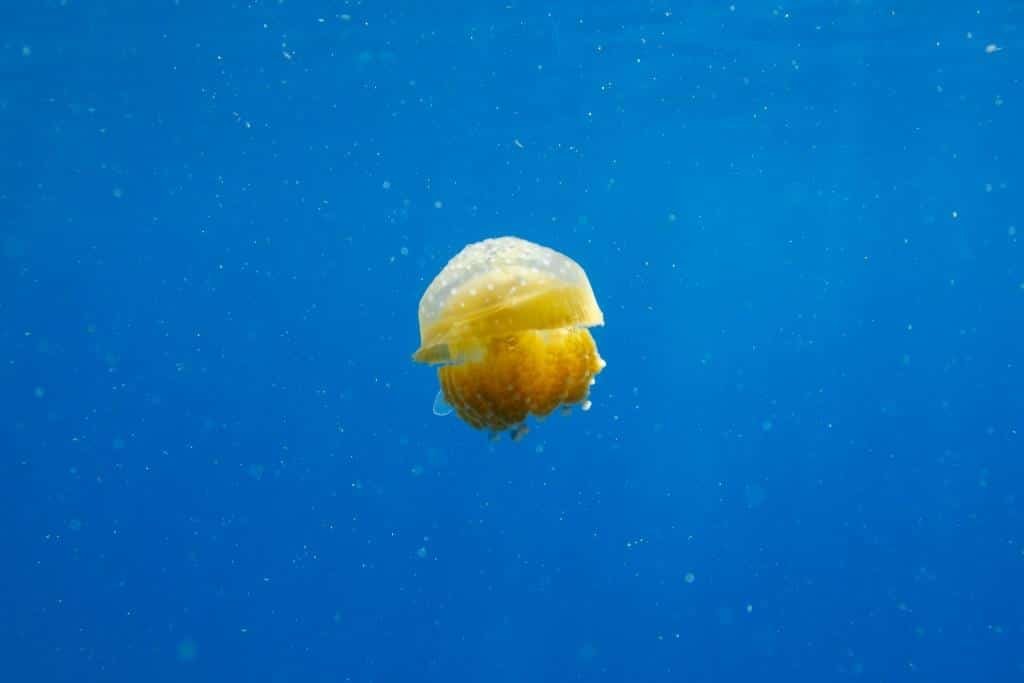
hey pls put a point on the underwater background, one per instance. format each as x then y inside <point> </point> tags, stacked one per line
<point>801,220</point>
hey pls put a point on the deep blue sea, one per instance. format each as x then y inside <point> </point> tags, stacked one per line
<point>802,220</point>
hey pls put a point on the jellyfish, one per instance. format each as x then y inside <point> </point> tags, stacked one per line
<point>506,322</point>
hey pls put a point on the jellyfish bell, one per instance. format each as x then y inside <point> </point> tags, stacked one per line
<point>506,322</point>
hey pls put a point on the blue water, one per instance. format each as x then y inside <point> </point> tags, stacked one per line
<point>802,221</point>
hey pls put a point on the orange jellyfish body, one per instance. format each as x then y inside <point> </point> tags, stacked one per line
<point>506,321</point>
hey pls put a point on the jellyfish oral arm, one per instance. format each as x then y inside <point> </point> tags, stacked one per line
<point>441,406</point>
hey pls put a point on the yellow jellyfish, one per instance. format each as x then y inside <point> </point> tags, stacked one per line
<point>506,322</point>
